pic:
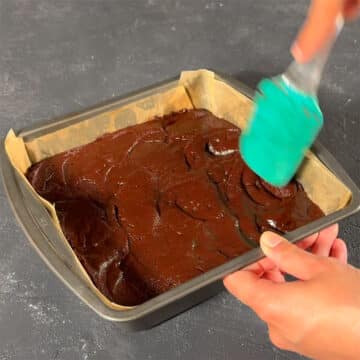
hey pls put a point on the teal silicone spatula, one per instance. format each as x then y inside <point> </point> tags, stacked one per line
<point>286,119</point>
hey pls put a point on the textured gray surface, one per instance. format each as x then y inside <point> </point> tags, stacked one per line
<point>62,56</point>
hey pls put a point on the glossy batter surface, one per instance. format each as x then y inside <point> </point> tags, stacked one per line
<point>151,206</point>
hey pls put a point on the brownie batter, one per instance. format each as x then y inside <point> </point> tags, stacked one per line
<point>151,206</point>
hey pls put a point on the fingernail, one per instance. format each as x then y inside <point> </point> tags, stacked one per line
<point>339,23</point>
<point>297,53</point>
<point>270,239</point>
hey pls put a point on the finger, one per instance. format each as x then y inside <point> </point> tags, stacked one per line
<point>264,265</point>
<point>339,251</point>
<point>255,268</point>
<point>261,266</point>
<point>250,289</point>
<point>325,241</point>
<point>318,29</point>
<point>307,242</point>
<point>275,276</point>
<point>352,9</point>
<point>289,258</point>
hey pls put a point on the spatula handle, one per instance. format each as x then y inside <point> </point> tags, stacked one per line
<point>306,77</point>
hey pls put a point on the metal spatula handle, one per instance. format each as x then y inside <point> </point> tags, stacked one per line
<point>306,77</point>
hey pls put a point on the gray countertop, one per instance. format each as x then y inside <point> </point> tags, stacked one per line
<point>58,57</point>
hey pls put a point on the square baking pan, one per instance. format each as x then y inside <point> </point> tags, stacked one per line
<point>43,235</point>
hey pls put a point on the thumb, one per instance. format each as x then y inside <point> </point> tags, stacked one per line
<point>288,257</point>
<point>318,29</point>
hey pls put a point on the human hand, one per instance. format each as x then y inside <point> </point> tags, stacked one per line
<point>324,243</point>
<point>319,27</point>
<point>317,315</point>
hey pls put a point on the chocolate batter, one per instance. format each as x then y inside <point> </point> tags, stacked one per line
<point>151,206</point>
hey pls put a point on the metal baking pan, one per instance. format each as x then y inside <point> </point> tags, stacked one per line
<point>43,235</point>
